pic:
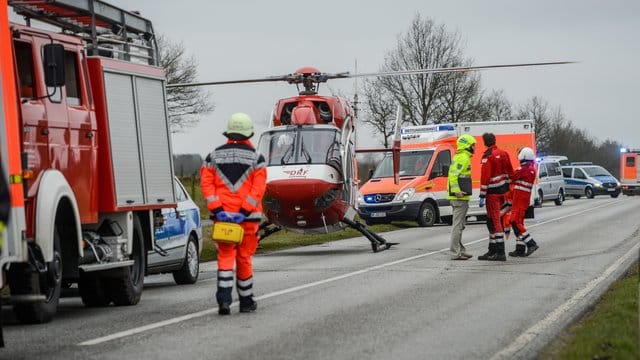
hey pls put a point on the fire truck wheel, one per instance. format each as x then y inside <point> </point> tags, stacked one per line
<point>188,273</point>
<point>92,290</point>
<point>427,215</point>
<point>50,287</point>
<point>128,289</point>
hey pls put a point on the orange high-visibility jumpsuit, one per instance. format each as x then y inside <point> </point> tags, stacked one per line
<point>233,179</point>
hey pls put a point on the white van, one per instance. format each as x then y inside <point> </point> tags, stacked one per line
<point>551,185</point>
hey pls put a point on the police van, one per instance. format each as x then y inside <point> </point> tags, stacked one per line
<point>589,180</point>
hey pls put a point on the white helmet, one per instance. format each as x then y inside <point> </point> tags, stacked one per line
<point>526,154</point>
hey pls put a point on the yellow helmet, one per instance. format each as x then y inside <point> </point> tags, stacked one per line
<point>465,142</point>
<point>239,127</point>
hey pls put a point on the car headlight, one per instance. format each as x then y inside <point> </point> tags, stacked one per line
<point>406,194</point>
<point>618,183</point>
<point>598,185</point>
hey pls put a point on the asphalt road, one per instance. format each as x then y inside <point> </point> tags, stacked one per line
<point>341,301</point>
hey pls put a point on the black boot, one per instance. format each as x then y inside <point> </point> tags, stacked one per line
<point>245,293</point>
<point>499,254</point>
<point>531,247</point>
<point>490,253</point>
<point>247,304</point>
<point>224,309</point>
<point>520,251</point>
<point>223,294</point>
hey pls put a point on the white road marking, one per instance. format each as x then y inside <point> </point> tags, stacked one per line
<point>526,337</point>
<point>163,323</point>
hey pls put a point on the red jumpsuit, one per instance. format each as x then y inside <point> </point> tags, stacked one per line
<point>233,179</point>
<point>494,183</point>
<point>505,213</point>
<point>523,179</point>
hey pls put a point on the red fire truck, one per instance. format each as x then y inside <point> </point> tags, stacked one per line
<point>85,142</point>
<point>630,171</point>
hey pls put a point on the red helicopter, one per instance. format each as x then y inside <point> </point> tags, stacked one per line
<point>310,149</point>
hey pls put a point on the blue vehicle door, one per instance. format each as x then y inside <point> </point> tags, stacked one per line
<point>171,238</point>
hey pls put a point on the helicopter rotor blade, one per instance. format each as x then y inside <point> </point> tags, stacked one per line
<point>449,69</point>
<point>243,81</point>
<point>297,78</point>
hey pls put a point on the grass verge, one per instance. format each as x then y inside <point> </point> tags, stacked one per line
<point>609,331</point>
<point>285,239</point>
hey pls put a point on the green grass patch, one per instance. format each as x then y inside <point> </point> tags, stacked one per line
<point>610,331</point>
<point>283,239</point>
<point>192,185</point>
<point>286,239</point>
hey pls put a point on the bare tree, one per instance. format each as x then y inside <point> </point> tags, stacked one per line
<point>538,110</point>
<point>460,98</point>
<point>495,107</point>
<point>185,104</point>
<point>425,98</point>
<point>380,110</point>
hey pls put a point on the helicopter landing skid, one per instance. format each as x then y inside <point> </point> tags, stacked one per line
<point>267,229</point>
<point>378,243</point>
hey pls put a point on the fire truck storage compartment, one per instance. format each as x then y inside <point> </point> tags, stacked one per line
<point>140,145</point>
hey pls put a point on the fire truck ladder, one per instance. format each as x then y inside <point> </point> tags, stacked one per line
<point>107,30</point>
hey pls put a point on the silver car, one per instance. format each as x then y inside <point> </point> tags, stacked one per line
<point>178,242</point>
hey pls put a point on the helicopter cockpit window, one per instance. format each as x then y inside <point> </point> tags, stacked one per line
<point>413,163</point>
<point>299,146</point>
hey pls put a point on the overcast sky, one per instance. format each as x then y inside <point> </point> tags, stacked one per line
<point>253,38</point>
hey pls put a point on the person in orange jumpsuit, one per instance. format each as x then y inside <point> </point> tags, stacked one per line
<point>494,183</point>
<point>523,179</point>
<point>233,182</point>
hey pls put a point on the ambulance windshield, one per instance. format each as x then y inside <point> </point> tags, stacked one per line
<point>412,163</point>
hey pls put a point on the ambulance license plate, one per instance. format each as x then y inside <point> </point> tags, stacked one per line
<point>378,214</point>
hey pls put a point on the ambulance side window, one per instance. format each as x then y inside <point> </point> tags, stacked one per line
<point>631,161</point>
<point>443,160</point>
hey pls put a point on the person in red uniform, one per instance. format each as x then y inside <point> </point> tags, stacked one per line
<point>233,182</point>
<point>523,179</point>
<point>494,183</point>
<point>505,213</point>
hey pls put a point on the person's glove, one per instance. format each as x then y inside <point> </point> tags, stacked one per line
<point>224,216</point>
<point>237,217</point>
<point>481,202</point>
